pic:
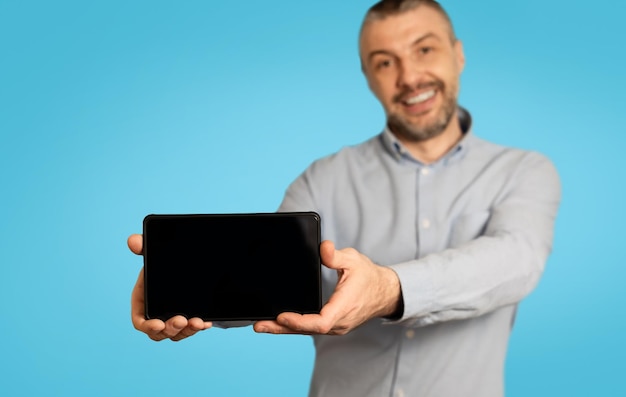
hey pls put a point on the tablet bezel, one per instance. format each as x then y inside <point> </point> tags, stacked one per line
<point>167,238</point>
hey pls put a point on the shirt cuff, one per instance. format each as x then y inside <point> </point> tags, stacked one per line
<point>418,293</point>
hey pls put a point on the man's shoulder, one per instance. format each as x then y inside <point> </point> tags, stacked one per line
<point>358,155</point>
<point>509,159</point>
<point>490,150</point>
<point>330,173</point>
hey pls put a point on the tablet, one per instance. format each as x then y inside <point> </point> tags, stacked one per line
<point>231,266</point>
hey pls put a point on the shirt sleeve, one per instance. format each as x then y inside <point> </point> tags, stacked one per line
<point>299,196</point>
<point>498,268</point>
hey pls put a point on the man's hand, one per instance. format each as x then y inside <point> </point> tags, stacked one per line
<point>176,328</point>
<point>364,291</point>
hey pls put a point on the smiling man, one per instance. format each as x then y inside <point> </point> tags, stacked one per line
<point>433,235</point>
<point>413,68</point>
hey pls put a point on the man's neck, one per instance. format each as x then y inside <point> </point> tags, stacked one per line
<point>431,150</point>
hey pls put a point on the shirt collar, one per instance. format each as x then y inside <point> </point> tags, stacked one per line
<point>400,153</point>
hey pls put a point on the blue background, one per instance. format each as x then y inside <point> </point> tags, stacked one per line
<point>111,110</point>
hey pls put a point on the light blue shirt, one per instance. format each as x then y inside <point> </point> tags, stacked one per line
<point>468,237</point>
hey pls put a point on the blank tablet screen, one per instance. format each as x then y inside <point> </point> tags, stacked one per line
<point>232,266</point>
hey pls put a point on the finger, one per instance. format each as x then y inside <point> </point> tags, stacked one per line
<point>153,328</point>
<point>327,253</point>
<point>266,326</point>
<point>194,326</point>
<point>336,259</point>
<point>174,326</point>
<point>135,243</point>
<point>272,327</point>
<point>199,324</point>
<point>304,323</point>
<point>322,323</point>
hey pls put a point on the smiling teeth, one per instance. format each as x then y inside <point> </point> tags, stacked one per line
<point>420,98</point>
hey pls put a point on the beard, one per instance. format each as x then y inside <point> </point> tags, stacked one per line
<point>411,132</point>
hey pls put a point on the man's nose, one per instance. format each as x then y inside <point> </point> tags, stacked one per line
<point>409,74</point>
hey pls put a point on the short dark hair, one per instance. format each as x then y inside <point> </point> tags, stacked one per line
<point>385,8</point>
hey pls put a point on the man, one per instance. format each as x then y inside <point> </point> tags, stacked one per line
<point>442,233</point>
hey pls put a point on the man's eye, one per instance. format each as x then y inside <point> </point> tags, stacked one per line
<point>383,64</point>
<point>425,50</point>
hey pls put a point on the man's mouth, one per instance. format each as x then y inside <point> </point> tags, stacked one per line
<point>424,96</point>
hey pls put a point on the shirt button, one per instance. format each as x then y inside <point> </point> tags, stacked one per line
<point>410,334</point>
<point>425,171</point>
<point>425,223</point>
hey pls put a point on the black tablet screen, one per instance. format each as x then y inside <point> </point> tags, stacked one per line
<point>231,267</point>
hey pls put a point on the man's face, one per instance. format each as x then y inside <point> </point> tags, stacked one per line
<point>413,65</point>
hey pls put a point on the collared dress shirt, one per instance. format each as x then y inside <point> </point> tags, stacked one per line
<point>468,237</point>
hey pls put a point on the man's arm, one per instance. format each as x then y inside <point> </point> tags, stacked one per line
<point>497,269</point>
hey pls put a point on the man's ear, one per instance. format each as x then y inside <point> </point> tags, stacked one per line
<point>460,55</point>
